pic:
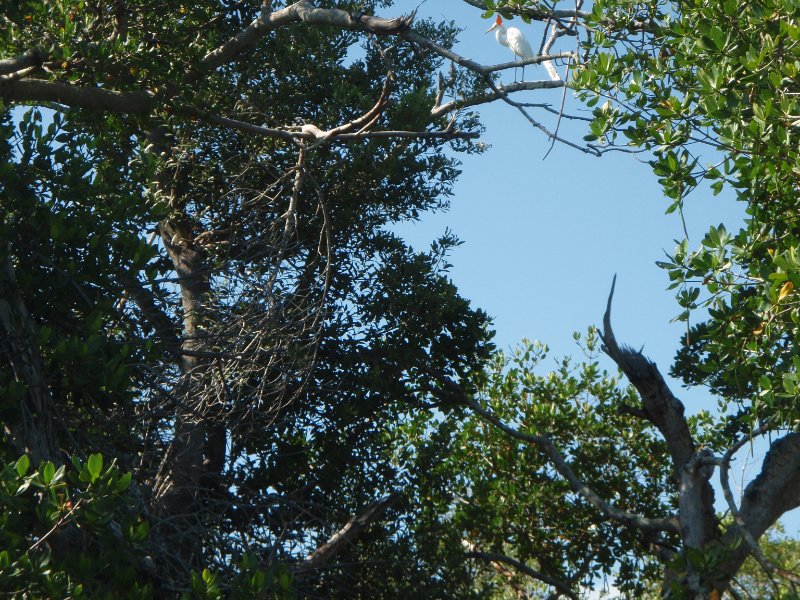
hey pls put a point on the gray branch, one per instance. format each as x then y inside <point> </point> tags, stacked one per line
<point>347,534</point>
<point>31,58</point>
<point>304,11</point>
<point>539,14</point>
<point>523,568</point>
<point>775,491</point>
<point>576,485</point>
<point>500,93</point>
<point>93,98</point>
<point>310,133</point>
<point>666,412</point>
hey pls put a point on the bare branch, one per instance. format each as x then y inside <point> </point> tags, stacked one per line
<point>348,533</point>
<point>503,95</point>
<point>539,14</point>
<point>500,91</point>
<point>666,412</point>
<point>413,36</point>
<point>312,133</point>
<point>523,568</point>
<point>740,524</point>
<point>775,491</point>
<point>62,521</point>
<point>662,407</point>
<point>576,485</point>
<point>94,98</point>
<point>303,11</point>
<point>32,58</point>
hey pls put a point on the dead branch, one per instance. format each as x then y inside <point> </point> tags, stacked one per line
<point>666,412</point>
<point>32,58</point>
<point>663,408</point>
<point>347,534</point>
<point>543,442</point>
<point>494,557</point>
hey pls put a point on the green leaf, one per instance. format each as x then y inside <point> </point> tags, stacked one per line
<point>48,471</point>
<point>59,474</point>
<point>124,482</point>
<point>23,464</point>
<point>94,465</point>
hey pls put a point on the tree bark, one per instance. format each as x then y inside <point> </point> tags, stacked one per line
<point>33,432</point>
<point>198,445</point>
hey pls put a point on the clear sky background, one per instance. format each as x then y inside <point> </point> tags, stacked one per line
<point>544,238</point>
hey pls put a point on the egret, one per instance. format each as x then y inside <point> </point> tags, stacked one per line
<point>515,40</point>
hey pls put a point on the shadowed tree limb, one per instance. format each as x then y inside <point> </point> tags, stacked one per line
<point>493,557</point>
<point>34,434</point>
<point>157,319</point>
<point>31,58</point>
<point>347,534</point>
<point>576,485</point>
<point>773,492</point>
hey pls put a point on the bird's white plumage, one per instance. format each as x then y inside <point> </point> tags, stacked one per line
<point>518,44</point>
<point>515,40</point>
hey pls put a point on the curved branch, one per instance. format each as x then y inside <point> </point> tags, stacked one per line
<point>93,98</point>
<point>523,568</point>
<point>303,11</point>
<point>575,484</point>
<point>775,491</point>
<point>665,411</point>
<point>347,534</point>
<point>32,58</point>
<point>498,93</point>
<point>311,133</point>
<point>537,13</point>
<point>724,468</point>
<point>690,469</point>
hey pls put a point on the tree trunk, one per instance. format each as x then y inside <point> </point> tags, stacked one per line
<point>196,455</point>
<point>33,431</point>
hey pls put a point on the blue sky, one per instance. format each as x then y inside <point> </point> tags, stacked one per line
<point>544,238</point>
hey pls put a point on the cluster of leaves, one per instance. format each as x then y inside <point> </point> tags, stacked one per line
<point>710,89</point>
<point>75,532</point>
<point>494,494</point>
<point>249,581</point>
<point>74,220</point>
<point>70,531</point>
<point>370,313</point>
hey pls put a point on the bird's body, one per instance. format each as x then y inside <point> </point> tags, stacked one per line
<point>513,39</point>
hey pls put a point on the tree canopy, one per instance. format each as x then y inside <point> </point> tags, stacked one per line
<point>224,375</point>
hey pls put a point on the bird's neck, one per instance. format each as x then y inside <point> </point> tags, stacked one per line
<point>500,34</point>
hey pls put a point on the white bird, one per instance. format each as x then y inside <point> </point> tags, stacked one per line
<point>515,40</point>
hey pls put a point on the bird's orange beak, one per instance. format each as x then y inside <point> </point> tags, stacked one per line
<point>497,23</point>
